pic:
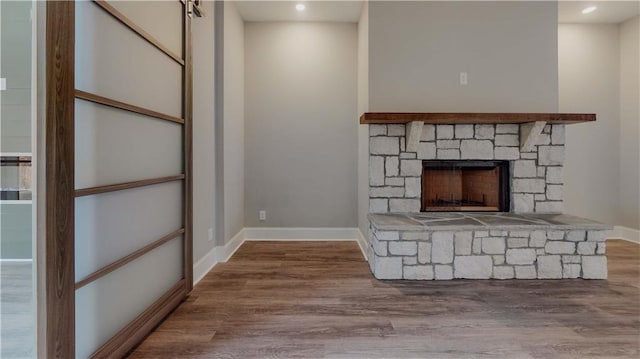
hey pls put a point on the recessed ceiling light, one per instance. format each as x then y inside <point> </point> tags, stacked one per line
<point>589,9</point>
<point>300,7</point>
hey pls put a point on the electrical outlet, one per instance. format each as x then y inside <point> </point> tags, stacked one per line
<point>210,234</point>
<point>263,215</point>
<point>463,78</point>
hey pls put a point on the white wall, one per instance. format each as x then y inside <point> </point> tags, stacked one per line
<point>363,130</point>
<point>233,128</point>
<point>629,205</point>
<point>203,132</point>
<point>418,49</point>
<point>300,124</point>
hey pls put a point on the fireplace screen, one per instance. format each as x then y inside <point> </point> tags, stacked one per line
<point>465,186</point>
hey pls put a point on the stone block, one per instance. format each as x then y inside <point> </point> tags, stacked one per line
<point>448,144</point>
<point>523,203</point>
<point>555,235</point>
<point>377,130</point>
<point>543,139</point>
<point>498,259</point>
<point>560,247</point>
<point>497,233</point>
<point>528,185</point>
<point>408,155</point>
<point>549,207</point>
<point>396,130</point>
<point>587,248</point>
<point>409,261</point>
<point>476,149</point>
<point>576,236</point>
<point>424,272</point>
<point>388,267</point>
<point>480,234</point>
<point>444,132</point>
<point>571,271</point>
<point>476,247</point>
<point>384,146</point>
<point>507,128</point>
<point>409,272</point>
<point>473,267</point>
<point>392,166</point>
<point>594,267</point>
<point>394,181</point>
<point>521,256</point>
<point>557,134</point>
<point>380,248</point>
<point>549,267</point>
<point>387,235</point>
<point>522,234</point>
<point>493,245</point>
<point>529,155</point>
<point>403,248</point>
<point>386,192</point>
<point>447,154</point>
<point>602,248</point>
<point>463,241</point>
<point>541,171</point>
<point>525,272</point>
<point>411,168</point>
<point>538,239</point>
<point>378,205</point>
<point>555,192</point>
<point>424,252</point>
<point>428,133</point>
<point>404,205</point>
<point>550,155</point>
<point>414,236</point>
<point>555,175</point>
<point>524,168</point>
<point>503,273</point>
<point>426,150</point>
<point>507,140</point>
<point>597,236</point>
<point>464,131</point>
<point>444,272</point>
<point>376,171</point>
<point>442,247</point>
<point>517,242</point>
<point>485,132</point>
<point>571,259</point>
<point>413,186</point>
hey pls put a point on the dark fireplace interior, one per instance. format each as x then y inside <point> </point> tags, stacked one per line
<point>470,186</point>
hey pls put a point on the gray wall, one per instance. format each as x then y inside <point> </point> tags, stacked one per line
<point>203,132</point>
<point>15,231</point>
<point>233,127</point>
<point>15,55</point>
<point>418,49</point>
<point>630,123</point>
<point>301,128</point>
<point>363,130</point>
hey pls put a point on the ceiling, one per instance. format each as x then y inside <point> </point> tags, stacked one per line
<point>316,10</point>
<point>606,12</point>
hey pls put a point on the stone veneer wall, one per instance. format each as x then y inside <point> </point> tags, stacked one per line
<point>488,254</point>
<point>395,175</point>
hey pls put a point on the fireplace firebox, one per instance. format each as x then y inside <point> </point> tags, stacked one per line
<point>472,186</point>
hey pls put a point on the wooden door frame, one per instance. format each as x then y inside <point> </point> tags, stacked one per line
<point>59,276</point>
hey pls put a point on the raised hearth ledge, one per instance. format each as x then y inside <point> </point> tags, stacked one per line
<point>459,221</point>
<point>475,118</point>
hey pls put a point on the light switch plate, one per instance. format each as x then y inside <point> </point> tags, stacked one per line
<point>3,84</point>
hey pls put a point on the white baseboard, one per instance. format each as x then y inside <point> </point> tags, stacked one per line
<point>204,265</point>
<point>221,254</point>
<point>225,252</point>
<point>10,260</point>
<point>300,234</point>
<point>363,244</point>
<point>626,233</point>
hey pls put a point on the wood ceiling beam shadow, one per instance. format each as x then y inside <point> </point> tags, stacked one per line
<point>467,118</point>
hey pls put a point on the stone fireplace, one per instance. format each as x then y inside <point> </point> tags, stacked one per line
<point>475,201</point>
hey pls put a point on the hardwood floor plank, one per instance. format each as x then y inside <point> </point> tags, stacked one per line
<point>319,300</point>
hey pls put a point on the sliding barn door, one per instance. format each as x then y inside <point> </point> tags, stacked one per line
<point>126,136</point>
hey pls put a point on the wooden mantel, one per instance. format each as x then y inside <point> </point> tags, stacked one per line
<point>456,118</point>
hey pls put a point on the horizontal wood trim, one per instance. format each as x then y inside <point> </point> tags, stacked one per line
<point>129,258</point>
<point>127,185</point>
<point>139,328</point>
<point>88,96</point>
<point>138,30</point>
<point>458,118</point>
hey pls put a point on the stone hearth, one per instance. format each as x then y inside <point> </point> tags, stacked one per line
<point>441,246</point>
